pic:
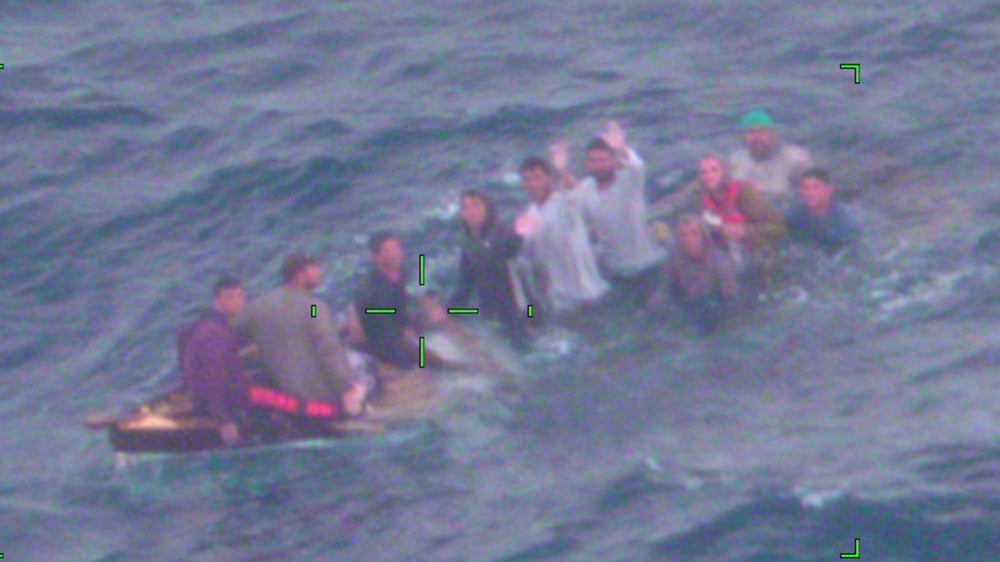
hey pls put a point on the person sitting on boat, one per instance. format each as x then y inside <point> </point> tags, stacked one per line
<point>301,350</point>
<point>487,248</point>
<point>378,321</point>
<point>701,278</point>
<point>208,353</point>
<point>770,165</point>
<point>557,263</point>
<point>817,218</point>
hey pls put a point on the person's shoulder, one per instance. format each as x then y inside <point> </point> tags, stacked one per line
<point>795,153</point>
<point>739,156</point>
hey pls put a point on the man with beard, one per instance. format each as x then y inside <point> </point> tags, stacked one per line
<point>770,165</point>
<point>613,201</point>
<point>302,353</point>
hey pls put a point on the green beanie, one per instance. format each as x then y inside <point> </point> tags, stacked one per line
<point>757,119</point>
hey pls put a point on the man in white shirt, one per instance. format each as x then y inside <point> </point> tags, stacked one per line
<point>771,166</point>
<point>559,266</point>
<point>613,201</point>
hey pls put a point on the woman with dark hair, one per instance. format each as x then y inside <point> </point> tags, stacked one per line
<point>487,247</point>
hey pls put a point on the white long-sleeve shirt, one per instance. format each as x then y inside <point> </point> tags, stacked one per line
<point>617,216</point>
<point>559,251</point>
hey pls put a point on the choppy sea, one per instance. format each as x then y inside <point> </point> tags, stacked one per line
<point>149,146</point>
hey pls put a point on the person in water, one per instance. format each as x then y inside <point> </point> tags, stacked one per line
<point>613,201</point>
<point>208,353</point>
<point>817,218</point>
<point>701,278</point>
<point>740,218</point>
<point>769,164</point>
<point>301,351</point>
<point>558,265</point>
<point>387,337</point>
<point>487,248</point>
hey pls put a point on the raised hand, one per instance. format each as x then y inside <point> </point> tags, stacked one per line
<point>525,225</point>
<point>614,135</point>
<point>559,154</point>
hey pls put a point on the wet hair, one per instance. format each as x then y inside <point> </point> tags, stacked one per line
<point>718,158</point>
<point>378,239</point>
<point>225,282</point>
<point>491,209</point>
<point>535,163</point>
<point>820,174</point>
<point>598,143</point>
<point>295,263</point>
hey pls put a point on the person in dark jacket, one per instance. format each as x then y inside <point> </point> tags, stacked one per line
<point>209,357</point>
<point>487,248</point>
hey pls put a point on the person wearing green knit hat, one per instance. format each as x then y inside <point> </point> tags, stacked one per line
<point>770,165</point>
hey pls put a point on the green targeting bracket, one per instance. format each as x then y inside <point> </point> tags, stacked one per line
<point>312,311</point>
<point>380,311</point>
<point>531,311</point>
<point>856,553</point>
<point>422,362</point>
<point>463,311</point>
<point>856,67</point>
<point>423,278</point>
<point>1,68</point>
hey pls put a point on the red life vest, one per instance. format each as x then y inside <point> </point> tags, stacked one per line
<point>728,210</point>
<point>268,398</point>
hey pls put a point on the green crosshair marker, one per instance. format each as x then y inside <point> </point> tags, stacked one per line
<point>856,67</point>
<point>380,311</point>
<point>1,68</point>
<point>463,311</point>
<point>312,311</point>
<point>422,279</point>
<point>421,352</point>
<point>856,553</point>
<point>531,311</point>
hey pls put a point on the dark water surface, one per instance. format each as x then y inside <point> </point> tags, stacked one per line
<point>150,146</point>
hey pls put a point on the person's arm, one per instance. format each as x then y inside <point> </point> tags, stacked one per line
<point>507,243</point>
<point>331,354</point>
<point>214,358</point>
<point>465,283</point>
<point>355,331</point>
<point>764,226</point>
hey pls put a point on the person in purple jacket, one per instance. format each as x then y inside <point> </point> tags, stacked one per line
<point>210,361</point>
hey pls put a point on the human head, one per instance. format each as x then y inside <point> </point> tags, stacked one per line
<point>536,176</point>
<point>387,251</point>
<point>301,271</point>
<point>815,190</point>
<point>691,235</point>
<point>599,160</point>
<point>477,210</point>
<point>228,296</point>
<point>712,172</point>
<point>759,135</point>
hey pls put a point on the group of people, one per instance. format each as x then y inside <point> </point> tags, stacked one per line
<point>578,244</point>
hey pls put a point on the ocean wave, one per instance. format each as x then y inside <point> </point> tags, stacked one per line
<point>73,118</point>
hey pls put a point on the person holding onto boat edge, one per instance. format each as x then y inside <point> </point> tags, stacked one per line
<point>487,248</point>
<point>303,354</point>
<point>208,353</point>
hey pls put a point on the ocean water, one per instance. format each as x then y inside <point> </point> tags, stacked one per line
<point>149,146</point>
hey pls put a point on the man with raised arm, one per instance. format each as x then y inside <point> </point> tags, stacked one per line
<point>613,200</point>
<point>558,264</point>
